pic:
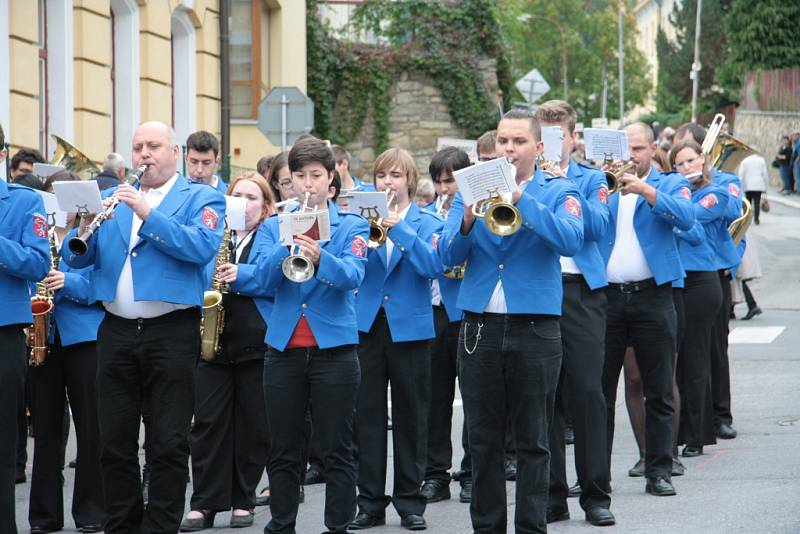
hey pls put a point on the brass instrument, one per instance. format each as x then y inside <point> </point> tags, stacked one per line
<point>738,228</point>
<point>297,267</point>
<point>377,232</point>
<point>499,215</point>
<point>213,321</point>
<point>614,173</point>
<point>72,159</point>
<point>79,245</point>
<point>441,200</point>
<point>41,307</point>
<point>456,272</point>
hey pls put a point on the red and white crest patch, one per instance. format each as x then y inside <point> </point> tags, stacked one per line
<point>685,193</point>
<point>210,218</point>
<point>709,201</point>
<point>734,190</point>
<point>573,206</point>
<point>359,246</point>
<point>39,225</point>
<point>602,195</point>
<point>435,241</point>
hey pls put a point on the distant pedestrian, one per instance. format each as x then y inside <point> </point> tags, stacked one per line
<point>783,159</point>
<point>753,173</point>
<point>749,269</point>
<point>796,161</point>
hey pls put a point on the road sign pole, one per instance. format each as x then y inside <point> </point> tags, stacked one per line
<point>284,113</point>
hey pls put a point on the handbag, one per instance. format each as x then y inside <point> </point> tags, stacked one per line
<point>776,164</point>
<point>764,205</point>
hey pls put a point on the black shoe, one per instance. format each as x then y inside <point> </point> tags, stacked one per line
<point>460,475</point>
<point>600,517</point>
<point>752,312</point>
<point>511,470</point>
<point>86,529</point>
<point>314,476</point>
<point>262,499</point>
<point>73,464</point>
<point>466,491</point>
<point>364,520</point>
<point>569,435</point>
<point>198,523</point>
<point>725,431</point>
<point>413,522</point>
<point>43,530</point>
<point>638,469</point>
<point>555,515</point>
<point>574,490</point>
<point>242,521</point>
<point>435,491</point>
<point>691,452</point>
<point>19,476</point>
<point>678,468</point>
<point>659,486</point>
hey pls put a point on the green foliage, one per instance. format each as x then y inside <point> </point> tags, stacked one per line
<point>534,28</point>
<point>444,40</point>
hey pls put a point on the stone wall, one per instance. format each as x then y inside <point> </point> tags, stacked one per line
<point>418,115</point>
<point>763,130</point>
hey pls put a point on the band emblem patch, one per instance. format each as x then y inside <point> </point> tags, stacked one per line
<point>709,201</point>
<point>573,206</point>
<point>359,247</point>
<point>602,195</point>
<point>685,193</point>
<point>733,189</point>
<point>435,241</point>
<point>39,225</point>
<point>210,218</point>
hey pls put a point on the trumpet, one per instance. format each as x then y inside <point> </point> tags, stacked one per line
<point>377,232</point>
<point>499,215</point>
<point>79,245</point>
<point>297,267</point>
<point>41,308</point>
<point>614,173</point>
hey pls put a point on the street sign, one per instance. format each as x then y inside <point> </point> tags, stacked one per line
<point>284,115</point>
<point>533,86</point>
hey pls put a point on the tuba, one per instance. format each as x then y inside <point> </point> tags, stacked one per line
<point>213,320</point>
<point>738,228</point>
<point>297,267</point>
<point>72,159</point>
<point>41,308</point>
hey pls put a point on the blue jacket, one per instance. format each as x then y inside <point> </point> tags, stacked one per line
<point>403,287</point>
<point>177,241</point>
<point>654,224</point>
<point>733,184</point>
<point>246,282</point>
<point>24,250</point>
<point>594,190</point>
<point>327,300</point>
<point>362,186</point>
<point>449,289</point>
<point>526,262</point>
<point>77,318</point>
<point>710,203</point>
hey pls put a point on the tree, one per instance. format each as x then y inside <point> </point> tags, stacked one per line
<point>763,38</point>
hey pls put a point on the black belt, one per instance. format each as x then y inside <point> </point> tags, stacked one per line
<point>571,278</point>
<point>187,313</point>
<point>634,287</point>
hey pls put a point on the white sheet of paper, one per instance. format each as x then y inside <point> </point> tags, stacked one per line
<point>45,169</point>
<point>78,197</point>
<point>55,215</point>
<point>234,212</point>
<point>368,204</point>
<point>314,224</point>
<point>602,144</point>
<point>476,182</point>
<point>552,137</point>
<point>470,146</point>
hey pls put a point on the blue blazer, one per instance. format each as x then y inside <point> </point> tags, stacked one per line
<point>362,186</point>
<point>594,190</point>
<point>710,204</point>
<point>654,224</point>
<point>178,240</point>
<point>77,317</point>
<point>327,300</point>
<point>449,289</point>
<point>24,250</point>
<point>403,287</point>
<point>246,283</point>
<point>733,184</point>
<point>527,262</point>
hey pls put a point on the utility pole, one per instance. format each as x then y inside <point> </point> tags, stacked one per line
<point>696,66</point>
<point>621,67</point>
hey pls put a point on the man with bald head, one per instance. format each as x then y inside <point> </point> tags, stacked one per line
<point>149,262</point>
<point>641,263</point>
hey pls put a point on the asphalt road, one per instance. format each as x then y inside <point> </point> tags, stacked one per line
<point>750,484</point>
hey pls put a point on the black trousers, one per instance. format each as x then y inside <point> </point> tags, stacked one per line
<point>702,299</point>
<point>444,370</point>
<point>68,371</point>
<point>407,366</point>
<point>229,439</point>
<point>146,362</point>
<point>646,321</point>
<point>509,366</point>
<point>755,200</point>
<point>12,396</point>
<point>720,366</point>
<point>328,378</point>
<point>583,334</point>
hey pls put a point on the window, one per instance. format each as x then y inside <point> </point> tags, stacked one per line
<point>43,76</point>
<point>5,87</point>
<point>125,74</point>
<point>56,74</point>
<point>245,58</point>
<point>184,75</point>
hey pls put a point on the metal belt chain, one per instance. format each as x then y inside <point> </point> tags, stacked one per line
<point>477,338</point>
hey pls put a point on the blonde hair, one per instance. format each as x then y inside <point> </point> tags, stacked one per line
<point>266,191</point>
<point>397,157</point>
<point>557,112</point>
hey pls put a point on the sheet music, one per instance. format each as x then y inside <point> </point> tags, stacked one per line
<point>603,144</point>
<point>45,169</point>
<point>78,197</point>
<point>235,208</point>
<point>368,204</point>
<point>314,224</point>
<point>476,182</point>
<point>553,138</point>
<point>55,215</point>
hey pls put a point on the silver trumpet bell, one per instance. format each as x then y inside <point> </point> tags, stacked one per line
<point>297,267</point>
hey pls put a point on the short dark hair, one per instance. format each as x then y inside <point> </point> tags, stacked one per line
<point>60,176</point>
<point>202,141</point>
<point>27,155</point>
<point>524,114</point>
<point>336,183</point>
<point>340,155</point>
<point>448,159</point>
<point>263,165</point>
<point>487,142</point>
<point>311,150</point>
<point>697,131</point>
<point>278,163</point>
<point>29,180</point>
<point>2,138</point>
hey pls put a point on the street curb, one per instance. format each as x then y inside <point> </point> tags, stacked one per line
<point>783,201</point>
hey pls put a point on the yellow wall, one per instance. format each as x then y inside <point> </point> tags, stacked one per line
<point>24,82</point>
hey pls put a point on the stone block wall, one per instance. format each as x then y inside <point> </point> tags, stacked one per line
<point>763,130</point>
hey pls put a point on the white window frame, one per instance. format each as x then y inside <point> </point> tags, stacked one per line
<point>126,79</point>
<point>60,73</point>
<point>5,84</point>
<point>184,74</point>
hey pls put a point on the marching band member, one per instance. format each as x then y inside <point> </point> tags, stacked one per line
<point>312,340</point>
<point>395,323</point>
<point>444,350</point>
<point>583,326</point>
<point>349,182</point>
<point>641,262</point>
<point>24,257</point>
<point>229,439</point>
<point>510,344</point>
<point>149,263</point>
<point>68,372</point>
<point>202,160</point>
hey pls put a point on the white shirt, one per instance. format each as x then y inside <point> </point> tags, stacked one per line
<point>436,293</point>
<point>389,243</point>
<point>753,172</point>
<point>627,262</point>
<point>124,304</point>
<point>241,244</point>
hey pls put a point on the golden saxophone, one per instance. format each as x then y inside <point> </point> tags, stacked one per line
<point>213,321</point>
<point>41,307</point>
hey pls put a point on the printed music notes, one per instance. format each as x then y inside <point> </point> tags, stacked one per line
<point>606,144</point>
<point>476,182</point>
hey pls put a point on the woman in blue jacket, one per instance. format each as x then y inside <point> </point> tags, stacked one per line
<point>702,296</point>
<point>229,439</point>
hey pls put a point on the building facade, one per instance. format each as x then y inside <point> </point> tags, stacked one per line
<point>650,16</point>
<point>92,70</point>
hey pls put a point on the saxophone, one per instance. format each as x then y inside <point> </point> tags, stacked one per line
<point>41,307</point>
<point>213,321</point>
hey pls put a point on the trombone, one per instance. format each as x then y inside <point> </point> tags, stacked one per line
<point>297,267</point>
